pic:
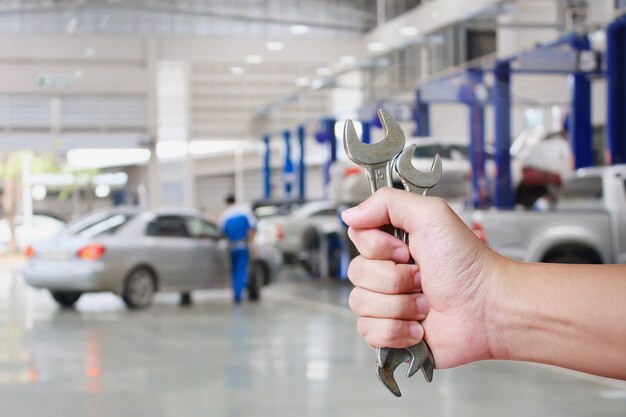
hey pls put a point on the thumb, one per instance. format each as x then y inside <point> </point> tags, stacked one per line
<point>402,209</point>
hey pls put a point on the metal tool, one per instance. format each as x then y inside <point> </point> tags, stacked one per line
<point>418,182</point>
<point>377,161</point>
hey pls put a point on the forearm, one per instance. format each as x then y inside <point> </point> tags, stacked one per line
<point>573,316</point>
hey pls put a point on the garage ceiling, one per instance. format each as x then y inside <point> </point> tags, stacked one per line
<point>225,18</point>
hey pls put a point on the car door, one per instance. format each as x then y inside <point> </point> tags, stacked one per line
<point>172,251</point>
<point>210,264</point>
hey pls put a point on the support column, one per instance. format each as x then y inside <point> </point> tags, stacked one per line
<point>288,176</point>
<point>616,91</point>
<point>153,175</point>
<point>477,142</point>
<point>266,168</point>
<point>330,142</point>
<point>301,163</point>
<point>421,116</point>
<point>503,186</point>
<point>580,116</point>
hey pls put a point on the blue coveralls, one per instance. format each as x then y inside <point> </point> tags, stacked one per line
<point>235,224</point>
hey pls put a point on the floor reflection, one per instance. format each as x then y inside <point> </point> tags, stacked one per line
<point>296,353</point>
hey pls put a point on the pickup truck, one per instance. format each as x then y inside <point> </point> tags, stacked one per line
<point>587,225</point>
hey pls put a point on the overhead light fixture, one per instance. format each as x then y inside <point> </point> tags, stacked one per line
<point>299,29</point>
<point>348,60</point>
<point>254,59</point>
<point>324,71</point>
<point>302,82</point>
<point>409,31</point>
<point>317,84</point>
<point>274,46</point>
<point>237,70</point>
<point>376,46</point>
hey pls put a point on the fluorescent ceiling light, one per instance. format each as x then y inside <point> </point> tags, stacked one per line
<point>208,147</point>
<point>237,70</point>
<point>302,82</point>
<point>102,191</point>
<point>324,71</point>
<point>254,59</point>
<point>299,29</point>
<point>101,158</point>
<point>408,31</point>
<point>317,84</point>
<point>171,149</point>
<point>274,46</point>
<point>348,60</point>
<point>376,46</point>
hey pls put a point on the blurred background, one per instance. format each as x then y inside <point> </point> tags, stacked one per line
<point>125,124</point>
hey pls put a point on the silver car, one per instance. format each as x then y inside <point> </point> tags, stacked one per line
<point>132,253</point>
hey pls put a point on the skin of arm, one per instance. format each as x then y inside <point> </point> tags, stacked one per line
<point>470,303</point>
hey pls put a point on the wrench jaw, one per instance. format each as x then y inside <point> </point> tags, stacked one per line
<point>385,370</point>
<point>375,153</point>
<point>416,181</point>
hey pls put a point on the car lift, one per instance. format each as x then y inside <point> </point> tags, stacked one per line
<point>570,55</point>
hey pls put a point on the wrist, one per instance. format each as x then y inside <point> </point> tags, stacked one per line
<point>501,307</point>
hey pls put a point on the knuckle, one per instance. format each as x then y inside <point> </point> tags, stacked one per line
<point>397,280</point>
<point>355,269</point>
<point>355,300</point>
<point>362,328</point>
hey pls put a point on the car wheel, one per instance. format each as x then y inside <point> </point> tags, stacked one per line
<point>185,299</point>
<point>66,299</point>
<point>254,285</point>
<point>261,270</point>
<point>139,288</point>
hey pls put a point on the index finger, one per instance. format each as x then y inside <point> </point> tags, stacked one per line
<point>402,209</point>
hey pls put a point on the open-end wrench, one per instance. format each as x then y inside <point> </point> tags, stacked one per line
<point>417,182</point>
<point>377,161</point>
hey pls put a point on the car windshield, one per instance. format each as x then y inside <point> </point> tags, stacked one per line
<point>97,224</point>
<point>587,188</point>
<point>454,152</point>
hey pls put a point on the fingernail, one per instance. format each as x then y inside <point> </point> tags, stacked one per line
<point>422,304</point>
<point>400,255</point>
<point>415,331</point>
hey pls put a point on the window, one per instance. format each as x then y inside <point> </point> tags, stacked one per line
<point>456,152</point>
<point>480,43</point>
<point>583,189</point>
<point>325,212</point>
<point>167,226</point>
<point>201,229</point>
<point>102,225</point>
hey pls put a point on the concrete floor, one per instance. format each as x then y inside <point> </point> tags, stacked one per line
<point>296,353</point>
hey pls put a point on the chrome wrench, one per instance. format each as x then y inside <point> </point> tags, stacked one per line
<point>418,182</point>
<point>377,161</point>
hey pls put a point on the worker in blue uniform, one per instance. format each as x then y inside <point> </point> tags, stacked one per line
<point>237,224</point>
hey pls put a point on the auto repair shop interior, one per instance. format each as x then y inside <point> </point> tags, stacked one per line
<point>130,286</point>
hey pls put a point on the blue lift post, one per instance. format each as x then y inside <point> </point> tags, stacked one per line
<point>503,187</point>
<point>301,165</point>
<point>267,171</point>
<point>616,91</point>
<point>421,116</point>
<point>477,138</point>
<point>330,141</point>
<point>287,166</point>
<point>580,116</point>
<point>366,126</point>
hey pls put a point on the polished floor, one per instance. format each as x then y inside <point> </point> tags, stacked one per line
<point>296,353</point>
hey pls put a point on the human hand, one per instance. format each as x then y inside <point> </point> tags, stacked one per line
<point>445,297</point>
